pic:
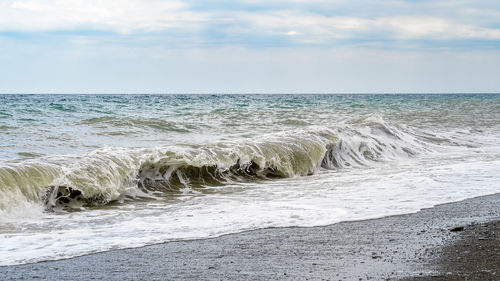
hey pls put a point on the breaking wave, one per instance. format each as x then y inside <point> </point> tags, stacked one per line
<point>111,174</point>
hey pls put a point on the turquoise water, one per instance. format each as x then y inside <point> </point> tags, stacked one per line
<point>68,124</point>
<point>87,173</point>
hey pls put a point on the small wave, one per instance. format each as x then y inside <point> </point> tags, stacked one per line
<point>109,174</point>
<point>7,128</point>
<point>294,122</point>
<point>4,114</point>
<point>128,122</point>
<point>29,154</point>
<point>63,107</point>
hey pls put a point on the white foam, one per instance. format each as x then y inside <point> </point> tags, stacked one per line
<point>398,186</point>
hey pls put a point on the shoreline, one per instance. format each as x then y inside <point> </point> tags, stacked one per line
<point>392,248</point>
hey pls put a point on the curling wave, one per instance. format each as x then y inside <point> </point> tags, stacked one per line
<point>109,174</point>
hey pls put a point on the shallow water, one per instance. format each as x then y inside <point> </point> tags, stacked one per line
<point>88,173</point>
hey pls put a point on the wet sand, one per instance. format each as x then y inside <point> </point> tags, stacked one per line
<point>475,255</point>
<point>417,246</point>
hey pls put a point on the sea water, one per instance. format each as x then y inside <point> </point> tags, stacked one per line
<point>82,174</point>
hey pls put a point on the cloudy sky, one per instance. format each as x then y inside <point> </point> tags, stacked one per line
<point>249,46</point>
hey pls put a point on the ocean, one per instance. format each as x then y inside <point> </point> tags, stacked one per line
<point>81,174</point>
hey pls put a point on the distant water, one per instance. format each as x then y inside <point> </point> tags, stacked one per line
<point>88,173</point>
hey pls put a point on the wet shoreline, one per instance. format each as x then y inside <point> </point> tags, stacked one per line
<point>393,248</point>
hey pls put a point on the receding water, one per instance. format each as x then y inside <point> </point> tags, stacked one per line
<point>88,173</point>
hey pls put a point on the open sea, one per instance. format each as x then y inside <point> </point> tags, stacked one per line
<point>82,174</point>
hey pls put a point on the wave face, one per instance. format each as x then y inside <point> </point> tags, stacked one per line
<point>106,175</point>
<point>89,173</point>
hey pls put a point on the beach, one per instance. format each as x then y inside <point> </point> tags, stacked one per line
<point>249,140</point>
<point>390,248</point>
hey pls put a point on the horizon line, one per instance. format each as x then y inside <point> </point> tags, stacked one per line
<point>250,93</point>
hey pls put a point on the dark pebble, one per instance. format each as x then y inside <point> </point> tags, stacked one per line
<point>457,228</point>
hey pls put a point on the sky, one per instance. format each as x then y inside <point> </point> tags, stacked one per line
<point>249,46</point>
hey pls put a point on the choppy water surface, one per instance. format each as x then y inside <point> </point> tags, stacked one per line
<point>88,173</point>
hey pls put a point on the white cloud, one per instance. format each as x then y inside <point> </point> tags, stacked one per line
<point>143,16</point>
<point>115,15</point>
<point>320,28</point>
<point>435,28</point>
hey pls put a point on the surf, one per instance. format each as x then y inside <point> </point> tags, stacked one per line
<point>110,174</point>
